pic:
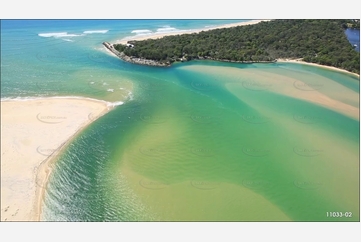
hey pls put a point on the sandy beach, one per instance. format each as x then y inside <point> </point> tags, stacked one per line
<point>32,133</point>
<point>160,35</point>
<point>299,61</point>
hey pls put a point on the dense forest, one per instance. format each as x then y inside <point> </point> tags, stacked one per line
<point>318,41</point>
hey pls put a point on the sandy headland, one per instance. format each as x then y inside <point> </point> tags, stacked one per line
<point>33,131</point>
<point>160,35</point>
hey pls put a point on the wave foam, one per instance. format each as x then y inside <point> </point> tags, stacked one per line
<point>142,31</point>
<point>96,31</point>
<point>114,104</point>
<point>131,96</point>
<point>167,29</point>
<point>47,35</point>
<point>58,35</point>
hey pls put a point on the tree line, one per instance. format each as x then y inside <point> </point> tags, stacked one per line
<point>317,41</point>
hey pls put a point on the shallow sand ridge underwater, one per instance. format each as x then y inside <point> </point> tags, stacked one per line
<point>198,141</point>
<point>217,143</point>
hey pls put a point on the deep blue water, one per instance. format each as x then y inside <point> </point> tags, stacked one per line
<point>353,36</point>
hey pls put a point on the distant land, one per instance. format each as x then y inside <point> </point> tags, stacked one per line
<point>321,42</point>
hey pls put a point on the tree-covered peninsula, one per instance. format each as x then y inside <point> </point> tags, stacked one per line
<point>318,41</point>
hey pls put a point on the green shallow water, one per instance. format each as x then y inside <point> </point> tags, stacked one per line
<point>208,141</point>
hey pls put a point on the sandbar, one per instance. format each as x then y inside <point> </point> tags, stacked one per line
<point>329,95</point>
<point>33,131</point>
<point>300,61</point>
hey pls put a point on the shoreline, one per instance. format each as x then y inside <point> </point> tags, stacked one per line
<point>161,35</point>
<point>148,62</point>
<point>124,41</point>
<point>27,138</point>
<point>46,166</point>
<point>133,60</point>
<point>299,61</point>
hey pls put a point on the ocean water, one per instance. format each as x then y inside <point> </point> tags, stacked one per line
<point>199,141</point>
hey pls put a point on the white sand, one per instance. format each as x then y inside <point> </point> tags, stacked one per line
<point>160,35</point>
<point>299,61</point>
<point>32,132</point>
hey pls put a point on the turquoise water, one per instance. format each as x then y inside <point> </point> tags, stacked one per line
<point>199,141</point>
<point>42,58</point>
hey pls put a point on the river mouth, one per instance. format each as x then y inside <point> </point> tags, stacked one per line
<point>197,141</point>
<point>229,140</point>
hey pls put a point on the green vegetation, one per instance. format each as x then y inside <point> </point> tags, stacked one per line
<point>353,24</point>
<point>318,41</point>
